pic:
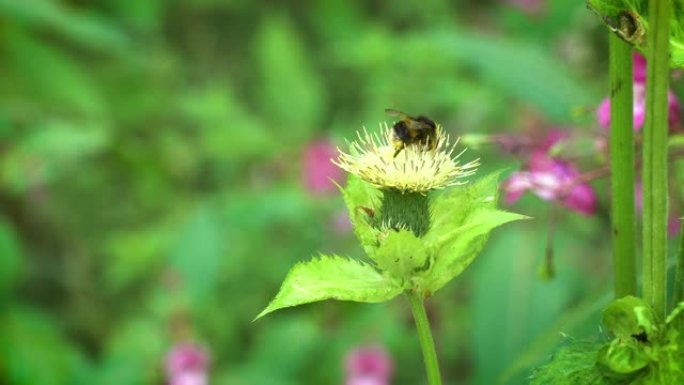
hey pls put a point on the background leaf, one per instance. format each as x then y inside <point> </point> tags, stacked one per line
<point>289,85</point>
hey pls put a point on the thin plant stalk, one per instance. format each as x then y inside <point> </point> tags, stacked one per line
<point>548,269</point>
<point>622,165</point>
<point>427,344</point>
<point>655,157</point>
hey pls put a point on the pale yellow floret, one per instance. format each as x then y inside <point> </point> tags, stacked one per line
<point>414,169</point>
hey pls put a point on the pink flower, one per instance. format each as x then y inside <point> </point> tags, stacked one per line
<point>187,364</point>
<point>603,111</point>
<point>368,365</point>
<point>318,170</point>
<point>551,179</point>
<point>674,225</point>
<point>639,71</point>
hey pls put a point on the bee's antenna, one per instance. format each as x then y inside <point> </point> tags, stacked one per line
<point>393,112</point>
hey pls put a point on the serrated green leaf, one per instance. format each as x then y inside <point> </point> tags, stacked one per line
<point>401,254</point>
<point>449,210</point>
<point>463,245</point>
<point>332,277</point>
<point>633,357</point>
<point>573,364</point>
<point>461,221</point>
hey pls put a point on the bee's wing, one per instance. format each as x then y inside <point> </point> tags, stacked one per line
<point>393,112</point>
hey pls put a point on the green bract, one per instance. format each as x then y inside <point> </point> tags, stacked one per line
<point>629,19</point>
<point>460,219</point>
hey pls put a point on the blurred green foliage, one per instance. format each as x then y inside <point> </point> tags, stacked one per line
<point>151,190</point>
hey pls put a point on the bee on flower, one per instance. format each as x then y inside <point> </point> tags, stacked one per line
<point>415,166</point>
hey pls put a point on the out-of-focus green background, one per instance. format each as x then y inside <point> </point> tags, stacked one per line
<point>152,187</point>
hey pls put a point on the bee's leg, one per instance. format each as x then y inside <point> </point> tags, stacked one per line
<point>433,143</point>
<point>398,146</point>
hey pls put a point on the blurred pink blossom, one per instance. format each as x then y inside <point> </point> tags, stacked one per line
<point>187,364</point>
<point>603,111</point>
<point>639,71</point>
<point>368,365</point>
<point>674,225</point>
<point>551,179</point>
<point>318,170</point>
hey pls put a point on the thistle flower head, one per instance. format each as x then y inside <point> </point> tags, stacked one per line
<point>414,169</point>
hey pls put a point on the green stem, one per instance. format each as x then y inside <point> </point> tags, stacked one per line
<point>655,156</point>
<point>622,167</point>
<point>427,344</point>
<point>678,295</point>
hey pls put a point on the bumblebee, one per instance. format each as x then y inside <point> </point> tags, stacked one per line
<point>409,130</point>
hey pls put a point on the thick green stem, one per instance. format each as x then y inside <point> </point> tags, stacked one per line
<point>427,344</point>
<point>678,295</point>
<point>676,190</point>
<point>622,167</point>
<point>655,156</point>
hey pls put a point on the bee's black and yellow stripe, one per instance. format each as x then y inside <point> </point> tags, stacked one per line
<point>409,130</point>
